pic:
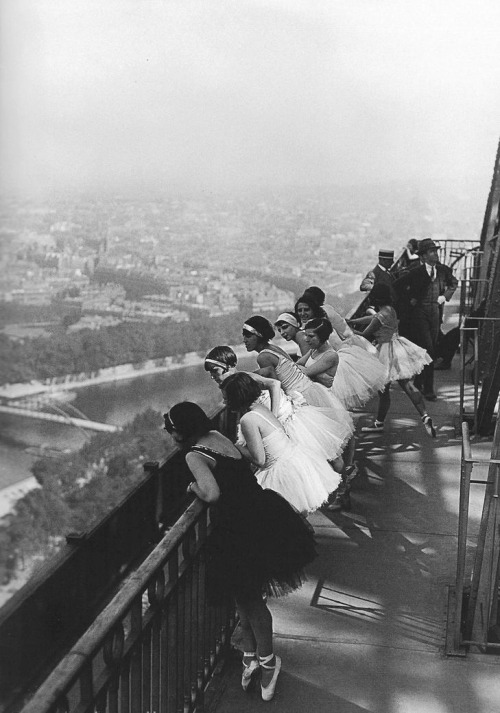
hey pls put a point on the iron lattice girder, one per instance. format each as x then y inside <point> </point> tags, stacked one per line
<point>489,344</point>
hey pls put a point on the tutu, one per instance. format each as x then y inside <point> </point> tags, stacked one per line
<point>357,340</point>
<point>294,380</point>
<point>402,359</point>
<point>300,475</point>
<point>307,426</point>
<point>259,543</point>
<point>359,376</point>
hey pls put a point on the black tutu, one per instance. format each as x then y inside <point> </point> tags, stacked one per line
<point>259,543</point>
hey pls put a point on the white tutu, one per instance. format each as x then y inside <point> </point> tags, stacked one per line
<point>359,376</point>
<point>309,427</point>
<point>327,403</point>
<point>294,380</point>
<point>402,359</point>
<point>357,340</point>
<point>299,475</point>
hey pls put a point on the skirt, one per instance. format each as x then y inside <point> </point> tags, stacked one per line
<point>359,377</point>
<point>301,476</point>
<point>402,359</point>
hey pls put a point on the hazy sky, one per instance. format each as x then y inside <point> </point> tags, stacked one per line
<point>236,92</point>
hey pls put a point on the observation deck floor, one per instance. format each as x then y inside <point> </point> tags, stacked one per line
<point>366,632</point>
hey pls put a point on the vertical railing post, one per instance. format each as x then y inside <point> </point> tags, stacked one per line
<point>465,473</point>
<point>476,379</point>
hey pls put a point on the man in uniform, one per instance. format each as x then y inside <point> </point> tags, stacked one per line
<point>380,272</point>
<point>427,287</point>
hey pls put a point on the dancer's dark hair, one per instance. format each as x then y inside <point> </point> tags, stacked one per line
<point>188,420</point>
<point>222,356</point>
<point>316,293</point>
<point>260,326</point>
<point>240,391</point>
<point>322,327</point>
<point>317,310</point>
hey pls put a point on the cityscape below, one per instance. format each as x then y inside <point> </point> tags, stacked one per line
<point>141,289</point>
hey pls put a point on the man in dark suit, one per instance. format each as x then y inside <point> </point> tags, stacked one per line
<point>380,272</point>
<point>427,287</point>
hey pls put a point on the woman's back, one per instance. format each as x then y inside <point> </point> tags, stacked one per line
<point>274,439</point>
<point>288,373</point>
<point>388,324</point>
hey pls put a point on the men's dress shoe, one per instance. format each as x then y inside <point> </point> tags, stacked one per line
<point>376,427</point>
<point>429,396</point>
<point>443,366</point>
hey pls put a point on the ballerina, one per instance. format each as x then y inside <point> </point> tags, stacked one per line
<point>299,474</point>
<point>258,543</point>
<point>308,307</point>
<point>288,326</point>
<point>277,364</point>
<point>353,375</point>
<point>401,358</point>
<point>304,424</point>
<point>342,332</point>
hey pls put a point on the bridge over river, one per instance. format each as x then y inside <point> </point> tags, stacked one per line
<point>60,417</point>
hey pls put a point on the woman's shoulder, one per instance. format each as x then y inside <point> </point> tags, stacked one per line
<point>329,355</point>
<point>387,316</point>
<point>213,444</point>
<point>268,351</point>
<point>258,414</point>
<point>386,311</point>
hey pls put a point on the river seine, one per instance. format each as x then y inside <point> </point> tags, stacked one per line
<point>115,402</point>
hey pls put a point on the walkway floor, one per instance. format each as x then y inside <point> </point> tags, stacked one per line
<point>366,632</point>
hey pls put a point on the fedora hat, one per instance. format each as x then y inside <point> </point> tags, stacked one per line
<point>427,244</point>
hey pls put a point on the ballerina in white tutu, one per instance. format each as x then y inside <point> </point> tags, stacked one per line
<point>277,364</point>
<point>402,359</point>
<point>353,375</point>
<point>300,475</point>
<point>359,375</point>
<point>304,424</point>
<point>342,334</point>
<point>288,326</point>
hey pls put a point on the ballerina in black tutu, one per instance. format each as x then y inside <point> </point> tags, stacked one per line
<point>259,544</point>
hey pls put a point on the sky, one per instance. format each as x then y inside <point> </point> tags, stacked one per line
<point>236,93</point>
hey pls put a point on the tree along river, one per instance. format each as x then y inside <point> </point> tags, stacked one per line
<point>114,402</point>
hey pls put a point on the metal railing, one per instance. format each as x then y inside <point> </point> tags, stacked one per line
<point>466,251</point>
<point>473,609</point>
<point>156,645</point>
<point>46,616</point>
<point>471,336</point>
<point>468,289</point>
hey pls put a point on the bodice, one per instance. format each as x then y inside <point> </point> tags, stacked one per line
<point>287,405</point>
<point>388,329</point>
<point>276,445</point>
<point>323,378</point>
<point>234,477</point>
<point>290,376</point>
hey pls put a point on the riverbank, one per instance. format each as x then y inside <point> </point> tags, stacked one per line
<point>121,372</point>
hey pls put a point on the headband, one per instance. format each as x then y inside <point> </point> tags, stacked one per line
<point>216,363</point>
<point>249,328</point>
<point>288,318</point>
<point>168,418</point>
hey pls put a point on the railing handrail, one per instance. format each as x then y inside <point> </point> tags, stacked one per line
<point>37,625</point>
<point>70,667</point>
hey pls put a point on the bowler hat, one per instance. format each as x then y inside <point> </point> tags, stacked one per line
<point>427,244</point>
